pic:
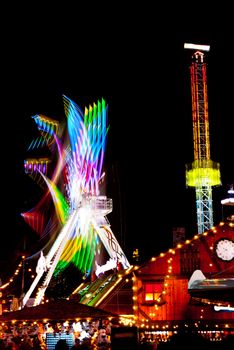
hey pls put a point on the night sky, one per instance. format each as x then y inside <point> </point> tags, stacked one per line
<point>139,66</point>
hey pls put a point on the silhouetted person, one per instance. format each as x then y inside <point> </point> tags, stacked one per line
<point>76,345</point>
<point>61,345</point>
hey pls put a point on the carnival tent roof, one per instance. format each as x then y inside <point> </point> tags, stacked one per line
<point>61,309</point>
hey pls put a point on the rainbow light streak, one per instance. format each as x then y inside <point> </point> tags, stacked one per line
<point>88,140</point>
<point>35,220</point>
<point>39,166</point>
<point>38,142</point>
<point>61,206</point>
<point>47,128</point>
<point>78,172</point>
<point>35,165</point>
<point>46,125</point>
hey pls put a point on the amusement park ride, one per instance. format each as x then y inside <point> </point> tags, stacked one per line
<point>73,210</point>
<point>203,173</point>
<point>75,190</point>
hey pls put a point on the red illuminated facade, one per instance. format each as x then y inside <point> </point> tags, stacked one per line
<point>158,294</point>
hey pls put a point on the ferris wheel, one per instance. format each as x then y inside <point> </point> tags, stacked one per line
<point>75,189</point>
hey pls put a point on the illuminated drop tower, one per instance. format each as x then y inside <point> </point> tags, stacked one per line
<point>203,173</point>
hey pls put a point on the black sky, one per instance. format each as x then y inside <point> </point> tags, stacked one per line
<point>136,61</point>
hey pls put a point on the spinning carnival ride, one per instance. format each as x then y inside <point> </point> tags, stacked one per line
<point>79,225</point>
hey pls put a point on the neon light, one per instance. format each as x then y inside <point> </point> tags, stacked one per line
<point>197,47</point>
<point>227,201</point>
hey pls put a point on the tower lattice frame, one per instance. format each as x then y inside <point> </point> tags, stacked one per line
<point>203,173</point>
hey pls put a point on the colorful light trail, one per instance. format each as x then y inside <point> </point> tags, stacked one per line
<point>80,208</point>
